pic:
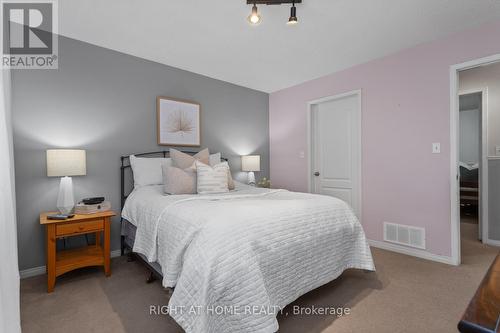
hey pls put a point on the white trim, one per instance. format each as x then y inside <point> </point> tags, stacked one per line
<point>411,252</point>
<point>310,142</point>
<point>483,172</point>
<point>454,186</point>
<point>493,242</point>
<point>484,180</point>
<point>494,157</point>
<point>40,270</point>
<point>26,273</point>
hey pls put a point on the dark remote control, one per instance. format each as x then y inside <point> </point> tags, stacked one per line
<point>59,216</point>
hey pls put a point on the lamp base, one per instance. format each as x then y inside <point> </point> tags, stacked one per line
<point>65,199</point>
<point>251,178</point>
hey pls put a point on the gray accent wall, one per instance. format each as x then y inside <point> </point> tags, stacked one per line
<point>105,102</point>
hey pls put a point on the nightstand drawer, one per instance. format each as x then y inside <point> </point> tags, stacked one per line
<point>78,228</point>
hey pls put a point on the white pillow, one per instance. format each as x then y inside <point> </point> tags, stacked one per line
<point>147,171</point>
<point>214,159</point>
<point>212,180</point>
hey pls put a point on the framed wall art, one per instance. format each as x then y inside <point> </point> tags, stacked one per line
<point>178,122</point>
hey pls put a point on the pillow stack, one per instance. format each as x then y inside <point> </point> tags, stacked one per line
<point>180,177</point>
<point>179,173</point>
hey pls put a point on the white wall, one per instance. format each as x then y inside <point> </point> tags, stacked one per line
<point>9,273</point>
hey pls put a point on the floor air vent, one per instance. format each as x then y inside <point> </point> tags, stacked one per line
<point>404,235</point>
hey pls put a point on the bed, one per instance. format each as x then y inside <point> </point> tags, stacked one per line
<point>236,259</point>
<point>469,188</point>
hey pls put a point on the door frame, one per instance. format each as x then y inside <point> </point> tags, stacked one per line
<point>483,171</point>
<point>310,141</point>
<point>454,153</point>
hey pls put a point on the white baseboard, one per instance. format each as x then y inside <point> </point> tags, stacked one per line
<point>412,252</point>
<point>26,273</point>
<point>492,242</point>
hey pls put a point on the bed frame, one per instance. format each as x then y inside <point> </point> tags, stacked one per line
<point>125,191</point>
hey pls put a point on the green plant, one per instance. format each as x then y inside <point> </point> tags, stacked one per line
<point>264,182</point>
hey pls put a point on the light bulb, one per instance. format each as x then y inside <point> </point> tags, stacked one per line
<point>254,18</point>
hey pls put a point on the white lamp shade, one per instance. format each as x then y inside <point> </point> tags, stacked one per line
<point>66,162</point>
<point>250,163</point>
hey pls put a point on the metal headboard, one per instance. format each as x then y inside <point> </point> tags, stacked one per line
<point>125,161</point>
<point>125,164</point>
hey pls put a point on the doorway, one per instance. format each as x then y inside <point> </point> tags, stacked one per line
<point>335,146</point>
<point>473,171</point>
<point>476,79</point>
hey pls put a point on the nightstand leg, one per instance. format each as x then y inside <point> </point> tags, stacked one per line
<point>107,268</point>
<point>51,257</point>
<point>46,248</point>
<point>98,239</point>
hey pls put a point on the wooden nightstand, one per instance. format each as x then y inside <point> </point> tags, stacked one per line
<point>61,262</point>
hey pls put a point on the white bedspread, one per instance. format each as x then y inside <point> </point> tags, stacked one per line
<point>238,258</point>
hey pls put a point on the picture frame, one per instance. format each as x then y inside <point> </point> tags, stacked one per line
<point>178,122</point>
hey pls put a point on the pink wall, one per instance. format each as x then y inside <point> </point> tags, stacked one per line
<point>405,108</point>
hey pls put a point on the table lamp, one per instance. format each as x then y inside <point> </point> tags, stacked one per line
<point>250,164</point>
<point>66,163</point>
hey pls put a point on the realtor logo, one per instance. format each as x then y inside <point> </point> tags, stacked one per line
<point>29,38</point>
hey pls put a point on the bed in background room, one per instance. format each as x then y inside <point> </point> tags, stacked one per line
<point>469,188</point>
<point>249,252</point>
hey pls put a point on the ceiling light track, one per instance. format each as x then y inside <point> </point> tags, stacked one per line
<point>255,18</point>
<point>271,2</point>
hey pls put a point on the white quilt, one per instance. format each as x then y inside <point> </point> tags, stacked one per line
<point>237,259</point>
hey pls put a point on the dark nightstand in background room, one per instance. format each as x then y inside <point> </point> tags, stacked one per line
<point>60,262</point>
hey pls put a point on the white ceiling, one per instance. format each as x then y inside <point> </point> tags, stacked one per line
<point>213,38</point>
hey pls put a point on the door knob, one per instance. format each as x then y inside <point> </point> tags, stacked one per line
<point>316,173</point>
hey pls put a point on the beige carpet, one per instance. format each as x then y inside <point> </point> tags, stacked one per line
<point>405,295</point>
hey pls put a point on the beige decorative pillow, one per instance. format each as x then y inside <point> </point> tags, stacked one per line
<point>212,180</point>
<point>178,181</point>
<point>215,159</point>
<point>183,161</point>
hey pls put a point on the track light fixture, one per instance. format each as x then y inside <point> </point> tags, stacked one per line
<point>293,15</point>
<point>254,18</point>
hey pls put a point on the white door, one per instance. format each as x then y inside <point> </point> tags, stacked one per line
<point>336,148</point>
